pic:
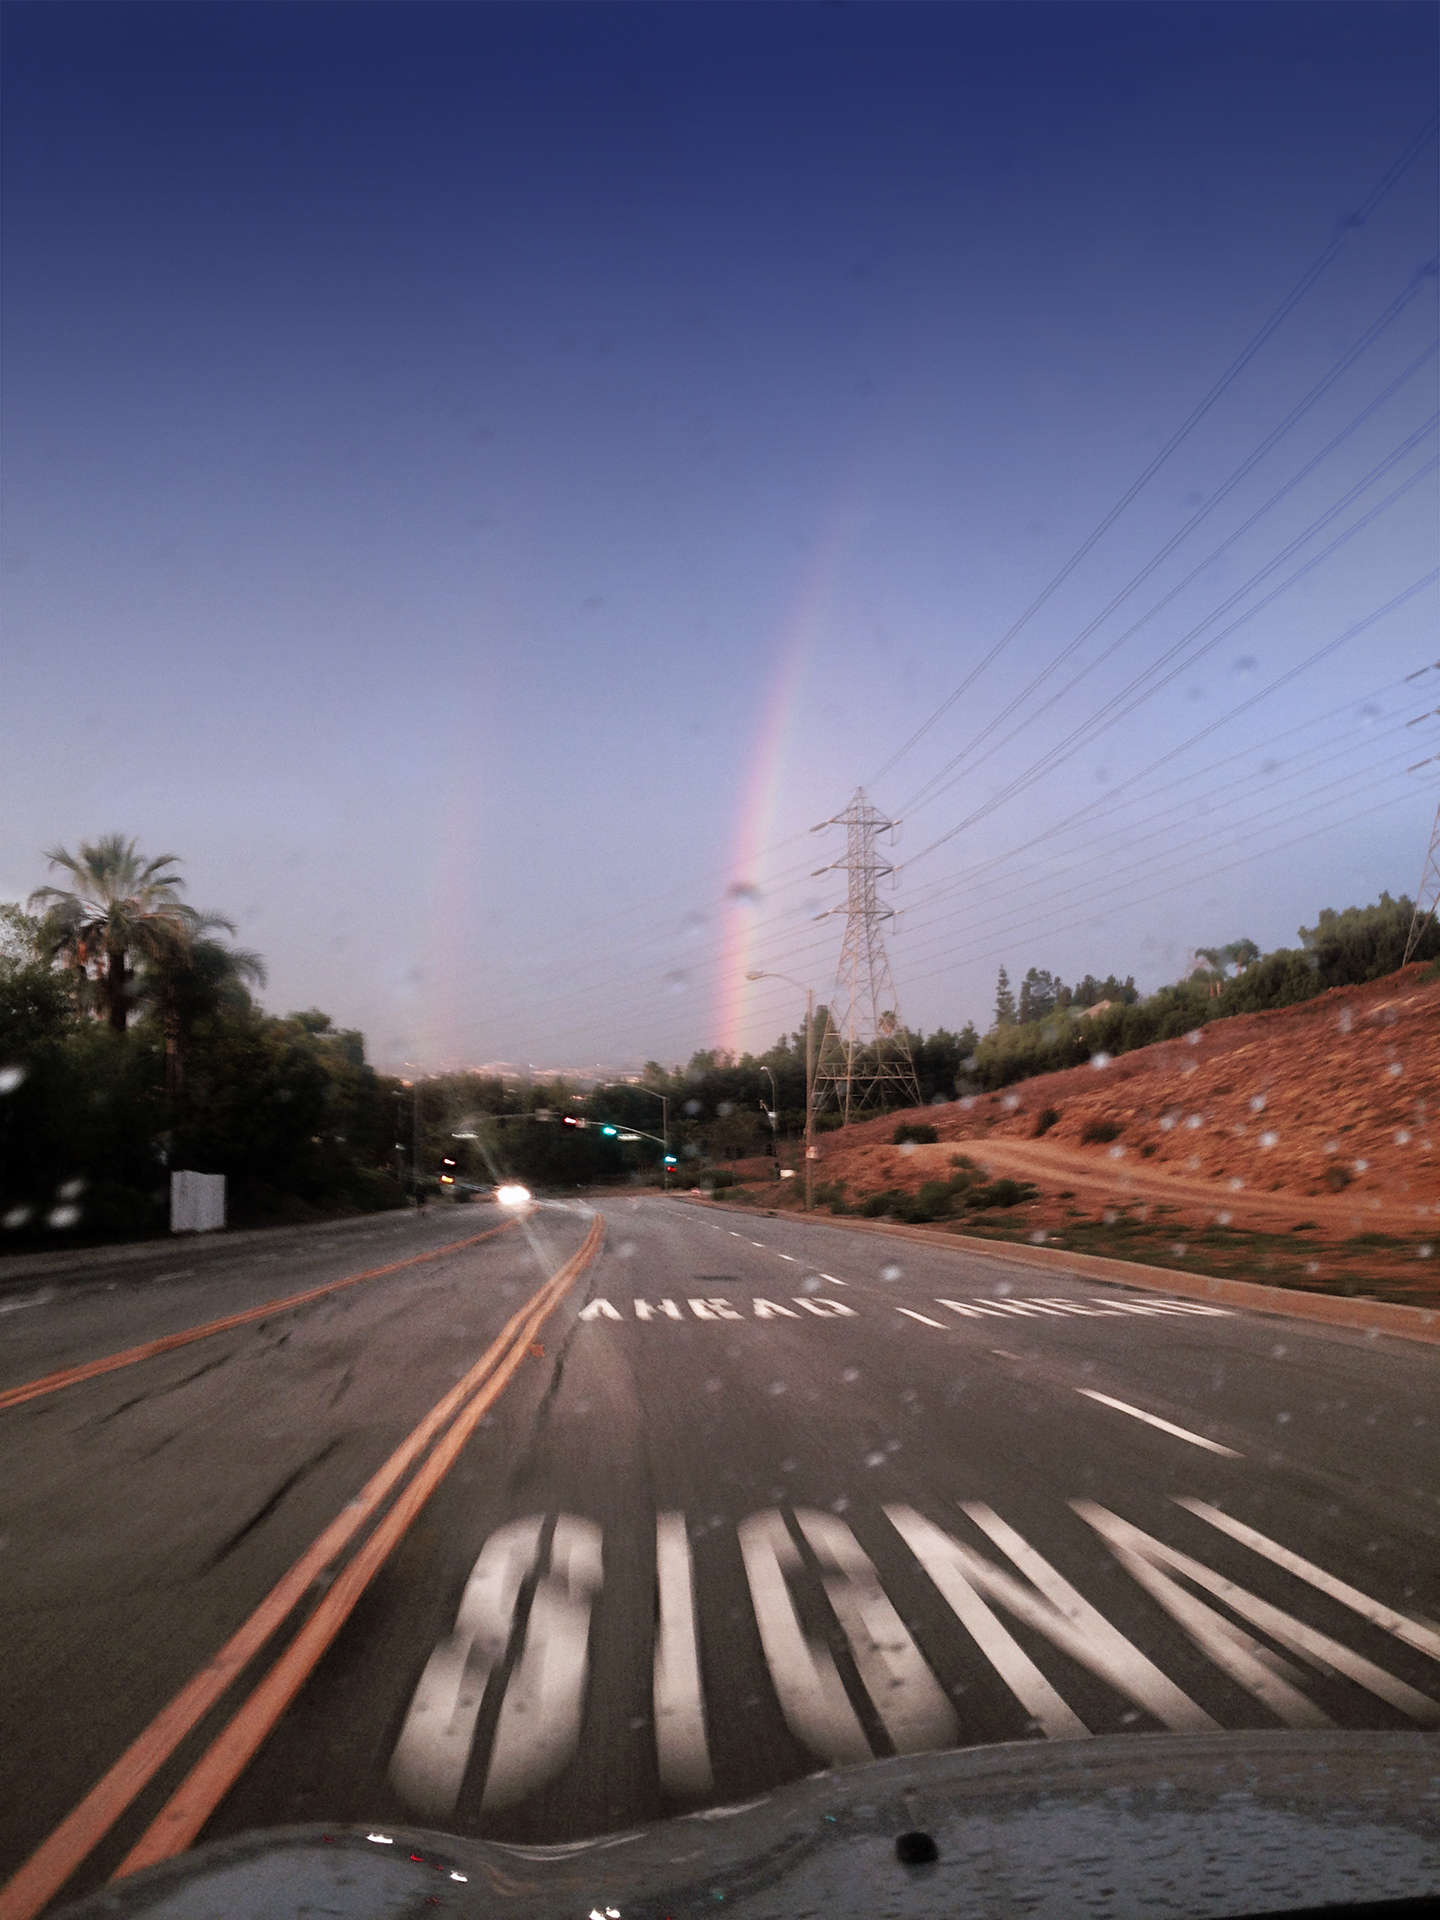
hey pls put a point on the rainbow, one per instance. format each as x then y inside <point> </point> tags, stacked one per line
<point>760,820</point>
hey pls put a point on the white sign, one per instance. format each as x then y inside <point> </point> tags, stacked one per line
<point>197,1202</point>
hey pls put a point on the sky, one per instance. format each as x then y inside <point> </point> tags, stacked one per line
<point>481,483</point>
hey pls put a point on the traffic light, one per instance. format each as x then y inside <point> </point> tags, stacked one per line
<point>447,1171</point>
<point>612,1131</point>
<point>572,1120</point>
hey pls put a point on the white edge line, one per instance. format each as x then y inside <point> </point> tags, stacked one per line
<point>1154,1420</point>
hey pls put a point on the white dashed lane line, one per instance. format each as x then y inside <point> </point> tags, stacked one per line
<point>1165,1426</point>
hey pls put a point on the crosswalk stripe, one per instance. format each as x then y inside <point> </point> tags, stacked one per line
<point>1165,1426</point>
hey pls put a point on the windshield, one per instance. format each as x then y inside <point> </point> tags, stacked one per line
<point>720,984</point>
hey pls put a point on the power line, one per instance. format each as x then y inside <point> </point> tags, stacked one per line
<point>1312,273</point>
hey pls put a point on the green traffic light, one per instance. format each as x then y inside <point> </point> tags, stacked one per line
<point>607,1129</point>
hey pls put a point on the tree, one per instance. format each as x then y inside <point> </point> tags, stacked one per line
<point>1039,994</point>
<point>1004,1001</point>
<point>121,905</point>
<point>185,983</point>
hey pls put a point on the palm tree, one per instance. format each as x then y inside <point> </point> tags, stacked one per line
<point>185,983</point>
<point>121,904</point>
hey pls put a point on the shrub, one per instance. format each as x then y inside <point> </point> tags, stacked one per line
<point>876,1204</point>
<point>918,1131</point>
<point>832,1194</point>
<point>1100,1130</point>
<point>717,1177</point>
<point>1046,1119</point>
<point>1001,1193</point>
<point>1337,1178</point>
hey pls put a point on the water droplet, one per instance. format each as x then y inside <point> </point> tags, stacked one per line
<point>1237,1186</point>
<point>1099,1059</point>
<point>1402,1137</point>
<point>891,1273</point>
<point>1394,1069</point>
<point>839,1506</point>
<point>692,1107</point>
<point>1179,1249</point>
<point>1245,666</point>
<point>1195,1120</point>
<point>16,1218</point>
<point>776,1386</point>
<point>875,1459</point>
<point>1257,1103</point>
<point>1117,1153</point>
<point>1010,1102</point>
<point>1222,1219</point>
<point>1268,1140</point>
<point>62,1217</point>
<point>1193,1037</point>
<point>677,980</point>
<point>1362,1166</point>
<point>744,893</point>
<point>850,1374</point>
<point>10,1078</point>
<point>725,1109</point>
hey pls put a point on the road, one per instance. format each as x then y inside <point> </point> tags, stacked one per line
<point>770,1495</point>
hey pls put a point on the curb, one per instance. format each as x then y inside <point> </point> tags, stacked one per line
<point>1333,1310</point>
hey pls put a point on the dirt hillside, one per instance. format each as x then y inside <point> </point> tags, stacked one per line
<point>1322,1119</point>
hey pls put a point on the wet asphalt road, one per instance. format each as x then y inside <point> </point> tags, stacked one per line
<point>777,1495</point>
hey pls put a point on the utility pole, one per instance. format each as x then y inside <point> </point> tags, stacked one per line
<point>760,974</point>
<point>865,1054</point>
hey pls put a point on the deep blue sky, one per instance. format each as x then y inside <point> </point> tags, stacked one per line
<point>479,478</point>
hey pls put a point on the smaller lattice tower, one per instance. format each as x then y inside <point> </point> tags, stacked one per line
<point>865,1063</point>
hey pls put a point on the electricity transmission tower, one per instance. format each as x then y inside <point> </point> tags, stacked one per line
<point>1428,897</point>
<point>865,1053</point>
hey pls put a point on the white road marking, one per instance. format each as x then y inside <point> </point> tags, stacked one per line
<point>680,1740</point>
<point>1057,1610</point>
<point>757,1243</point>
<point>1413,1632</point>
<point>47,1294</point>
<point>644,1310</point>
<point>1137,1551</point>
<point>807,1684</point>
<point>768,1309</point>
<point>1015,1667</point>
<point>539,1725</point>
<point>907,1696</point>
<point>784,1256</point>
<point>974,1309</point>
<point>833,1281</point>
<point>1161,1306</point>
<point>599,1309</point>
<point>924,1319</point>
<point>1165,1426</point>
<point>1071,1306</point>
<point>826,1309</point>
<point>713,1310</point>
<point>433,1751</point>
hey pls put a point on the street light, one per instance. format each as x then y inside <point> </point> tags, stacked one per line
<point>635,1086</point>
<point>809,1076</point>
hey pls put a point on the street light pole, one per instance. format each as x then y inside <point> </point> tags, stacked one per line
<point>809,1078</point>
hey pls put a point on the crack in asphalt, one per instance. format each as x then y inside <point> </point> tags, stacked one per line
<point>263,1513</point>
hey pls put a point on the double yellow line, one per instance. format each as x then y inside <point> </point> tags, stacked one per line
<point>435,1443</point>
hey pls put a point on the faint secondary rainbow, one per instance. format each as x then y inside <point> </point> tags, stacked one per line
<point>760,824</point>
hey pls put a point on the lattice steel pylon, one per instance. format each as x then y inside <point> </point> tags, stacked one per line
<point>1428,898</point>
<point>864,1052</point>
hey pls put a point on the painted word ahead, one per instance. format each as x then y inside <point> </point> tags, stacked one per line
<point>720,1309</point>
